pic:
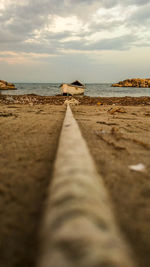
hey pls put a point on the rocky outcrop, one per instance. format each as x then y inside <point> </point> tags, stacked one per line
<point>145,83</point>
<point>7,86</point>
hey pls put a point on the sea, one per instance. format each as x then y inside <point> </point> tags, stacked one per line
<point>93,89</point>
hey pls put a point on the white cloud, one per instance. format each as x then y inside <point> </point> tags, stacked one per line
<point>62,24</point>
<point>53,23</point>
<point>37,30</point>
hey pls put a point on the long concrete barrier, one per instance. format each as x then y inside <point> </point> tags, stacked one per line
<point>79,228</point>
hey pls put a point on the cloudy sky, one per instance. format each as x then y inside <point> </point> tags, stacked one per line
<point>63,40</point>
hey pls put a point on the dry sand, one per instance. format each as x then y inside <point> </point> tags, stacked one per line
<point>116,141</point>
<point>29,135</point>
<point>28,142</point>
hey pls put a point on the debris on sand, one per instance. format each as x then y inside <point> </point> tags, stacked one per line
<point>117,109</point>
<point>85,100</point>
<point>114,130</point>
<point>138,167</point>
<point>107,123</point>
<point>4,114</point>
<point>10,99</point>
<point>147,114</point>
<point>72,101</point>
<point>99,104</point>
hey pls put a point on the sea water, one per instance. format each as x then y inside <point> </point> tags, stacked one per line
<point>94,89</point>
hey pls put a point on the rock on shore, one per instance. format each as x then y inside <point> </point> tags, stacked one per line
<point>7,86</point>
<point>145,83</point>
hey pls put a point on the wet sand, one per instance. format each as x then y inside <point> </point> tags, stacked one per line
<point>116,141</point>
<point>29,133</point>
<point>28,143</point>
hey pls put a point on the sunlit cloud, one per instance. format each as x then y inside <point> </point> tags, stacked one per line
<point>35,31</point>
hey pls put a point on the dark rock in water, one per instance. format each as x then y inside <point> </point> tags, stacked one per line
<point>144,83</point>
<point>7,86</point>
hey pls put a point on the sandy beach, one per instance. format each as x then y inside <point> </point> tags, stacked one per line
<point>117,141</point>
<point>28,143</point>
<point>117,131</point>
<point>74,133</point>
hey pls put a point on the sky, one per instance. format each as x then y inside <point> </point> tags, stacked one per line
<point>64,40</point>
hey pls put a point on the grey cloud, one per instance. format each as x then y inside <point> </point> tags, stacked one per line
<point>141,16</point>
<point>118,43</point>
<point>58,36</point>
<point>19,22</point>
<point>112,3</point>
<point>108,25</point>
